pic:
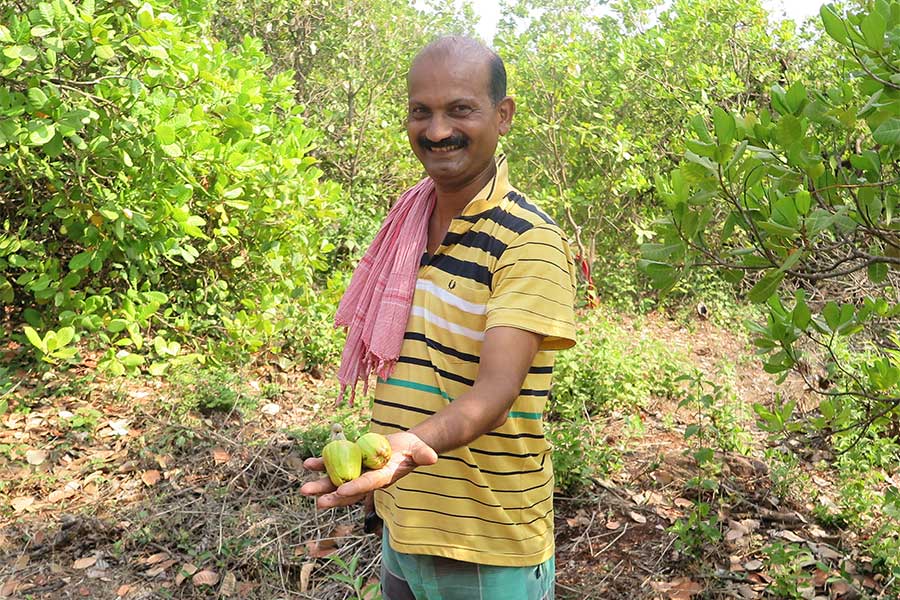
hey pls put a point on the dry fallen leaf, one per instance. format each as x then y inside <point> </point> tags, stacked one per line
<point>150,477</point>
<point>9,588</point>
<point>321,548</point>
<point>205,577</point>
<point>22,503</point>
<point>160,568</point>
<point>341,531</point>
<point>36,457</point>
<point>790,536</point>
<point>683,503</point>
<point>84,562</point>
<point>154,558</point>
<point>637,517</point>
<point>220,455</point>
<point>229,585</point>
<point>305,573</point>
<point>753,565</point>
<point>613,525</point>
<point>186,570</point>
<point>819,578</point>
<point>270,409</point>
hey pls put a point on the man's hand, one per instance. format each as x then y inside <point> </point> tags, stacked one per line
<point>409,452</point>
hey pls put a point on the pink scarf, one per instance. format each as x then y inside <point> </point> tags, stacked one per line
<point>375,308</point>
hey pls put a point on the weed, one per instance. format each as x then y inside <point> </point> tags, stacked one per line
<point>348,575</point>
<point>211,389</point>
<point>788,565</point>
<point>698,533</point>
<point>311,440</point>
<point>84,419</point>
<point>578,456</point>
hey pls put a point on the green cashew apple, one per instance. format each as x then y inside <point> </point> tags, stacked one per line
<point>343,458</point>
<point>376,450</point>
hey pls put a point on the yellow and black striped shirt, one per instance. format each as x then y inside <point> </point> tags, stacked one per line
<point>503,263</point>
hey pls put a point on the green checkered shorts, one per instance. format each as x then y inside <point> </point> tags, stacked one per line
<point>421,577</point>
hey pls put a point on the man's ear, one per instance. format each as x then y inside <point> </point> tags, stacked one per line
<point>506,108</point>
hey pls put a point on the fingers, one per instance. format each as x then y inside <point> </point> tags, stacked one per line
<point>423,454</point>
<point>366,483</point>
<point>314,464</point>
<point>318,487</point>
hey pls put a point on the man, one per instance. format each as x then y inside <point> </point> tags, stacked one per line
<point>467,499</point>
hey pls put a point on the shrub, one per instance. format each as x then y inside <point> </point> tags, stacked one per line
<point>154,186</point>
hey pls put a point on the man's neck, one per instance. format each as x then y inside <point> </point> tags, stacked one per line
<point>451,203</point>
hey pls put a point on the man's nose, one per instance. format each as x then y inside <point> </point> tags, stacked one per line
<point>438,128</point>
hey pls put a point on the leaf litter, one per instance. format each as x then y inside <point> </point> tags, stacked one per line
<point>212,506</point>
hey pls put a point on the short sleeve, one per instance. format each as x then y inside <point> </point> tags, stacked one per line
<point>533,287</point>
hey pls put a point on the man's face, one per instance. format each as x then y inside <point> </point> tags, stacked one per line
<point>452,125</point>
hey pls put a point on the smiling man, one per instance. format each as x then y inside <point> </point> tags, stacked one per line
<point>467,499</point>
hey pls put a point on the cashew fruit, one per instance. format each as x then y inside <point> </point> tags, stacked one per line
<point>343,461</point>
<point>376,450</point>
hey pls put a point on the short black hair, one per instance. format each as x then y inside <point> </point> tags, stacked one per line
<point>498,78</point>
<point>456,43</point>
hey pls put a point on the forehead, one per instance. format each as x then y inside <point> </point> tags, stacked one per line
<point>441,77</point>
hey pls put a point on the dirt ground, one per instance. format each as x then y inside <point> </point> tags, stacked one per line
<point>137,501</point>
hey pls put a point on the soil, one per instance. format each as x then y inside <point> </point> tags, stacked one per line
<point>110,489</point>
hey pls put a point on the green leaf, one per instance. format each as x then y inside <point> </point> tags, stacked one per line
<point>699,127</point>
<point>41,133</point>
<point>801,315</point>
<point>27,53</point>
<point>37,99</point>
<point>145,16</point>
<point>34,338</point>
<point>724,125</point>
<point>104,52</point>
<point>165,133</point>
<point>788,131</point>
<point>765,287</point>
<point>888,132</point>
<point>877,272</point>
<point>795,97</point>
<point>873,27</point>
<point>834,25</point>
<point>832,314</point>
<point>117,325</point>
<point>64,336</point>
<point>172,150</point>
<point>80,261</point>
<point>41,30</point>
<point>803,202</point>
<point>5,35</point>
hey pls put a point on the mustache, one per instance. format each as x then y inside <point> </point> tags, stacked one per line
<point>453,140</point>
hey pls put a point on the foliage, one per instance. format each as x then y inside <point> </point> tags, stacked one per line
<point>607,373</point>
<point>605,94</point>
<point>798,196</point>
<point>349,60</point>
<point>609,370</point>
<point>156,188</point>
<point>211,389</point>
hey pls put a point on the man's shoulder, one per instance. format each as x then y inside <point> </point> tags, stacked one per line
<point>528,212</point>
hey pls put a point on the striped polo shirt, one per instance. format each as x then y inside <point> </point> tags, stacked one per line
<point>503,263</point>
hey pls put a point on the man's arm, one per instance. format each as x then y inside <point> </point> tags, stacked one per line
<point>506,355</point>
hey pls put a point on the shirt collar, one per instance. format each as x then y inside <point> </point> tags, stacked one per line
<point>492,193</point>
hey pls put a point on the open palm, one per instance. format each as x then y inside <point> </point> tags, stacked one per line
<point>409,452</point>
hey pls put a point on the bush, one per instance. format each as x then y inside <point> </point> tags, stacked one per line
<point>155,187</point>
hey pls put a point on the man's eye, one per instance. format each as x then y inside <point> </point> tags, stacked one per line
<point>417,111</point>
<point>462,109</point>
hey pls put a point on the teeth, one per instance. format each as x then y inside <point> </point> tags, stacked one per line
<point>446,149</point>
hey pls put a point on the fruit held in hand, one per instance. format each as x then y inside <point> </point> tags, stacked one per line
<point>376,450</point>
<point>343,459</point>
